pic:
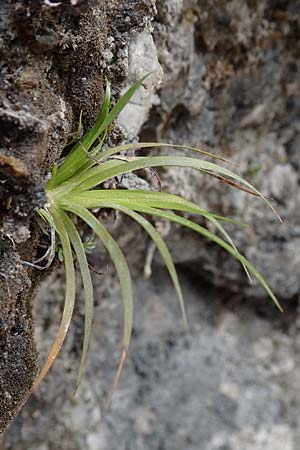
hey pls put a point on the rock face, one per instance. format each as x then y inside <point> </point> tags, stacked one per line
<point>231,382</point>
<point>232,81</point>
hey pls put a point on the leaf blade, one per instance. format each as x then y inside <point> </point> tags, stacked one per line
<point>69,296</point>
<point>204,232</point>
<point>77,157</point>
<point>88,289</point>
<point>97,175</point>
<point>143,145</point>
<point>119,263</point>
<point>161,246</point>
<point>153,199</point>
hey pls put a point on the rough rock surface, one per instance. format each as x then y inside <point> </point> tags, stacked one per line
<point>231,382</point>
<point>232,81</point>
<point>53,60</point>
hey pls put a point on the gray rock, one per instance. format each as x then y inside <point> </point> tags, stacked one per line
<point>142,59</point>
<point>231,382</point>
<point>231,78</point>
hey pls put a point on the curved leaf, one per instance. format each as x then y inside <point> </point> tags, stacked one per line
<point>88,288</point>
<point>204,232</point>
<point>160,244</point>
<point>150,198</point>
<point>69,295</point>
<point>77,157</point>
<point>118,260</point>
<point>136,146</point>
<point>132,199</point>
<point>98,175</point>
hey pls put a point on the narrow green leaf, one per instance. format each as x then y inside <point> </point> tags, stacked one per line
<point>98,175</point>
<point>137,146</point>
<point>88,288</point>
<point>118,260</point>
<point>68,186</point>
<point>151,198</point>
<point>100,157</point>
<point>123,101</point>
<point>69,295</point>
<point>206,233</point>
<point>163,250</point>
<point>154,199</point>
<point>77,157</point>
<point>159,242</point>
<point>131,199</point>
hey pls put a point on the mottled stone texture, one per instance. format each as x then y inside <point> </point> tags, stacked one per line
<point>231,382</point>
<point>232,81</point>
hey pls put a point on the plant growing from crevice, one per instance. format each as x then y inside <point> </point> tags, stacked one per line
<point>74,190</point>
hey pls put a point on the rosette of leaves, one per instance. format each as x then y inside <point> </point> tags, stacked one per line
<point>76,188</point>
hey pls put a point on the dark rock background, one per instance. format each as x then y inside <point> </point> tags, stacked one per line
<point>231,80</point>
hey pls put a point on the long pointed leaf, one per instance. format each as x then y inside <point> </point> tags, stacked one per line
<point>136,146</point>
<point>131,199</point>
<point>124,277</point>
<point>159,242</point>
<point>69,295</point>
<point>154,199</point>
<point>77,157</point>
<point>97,175</point>
<point>119,263</point>
<point>88,288</point>
<point>100,157</point>
<point>204,232</point>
